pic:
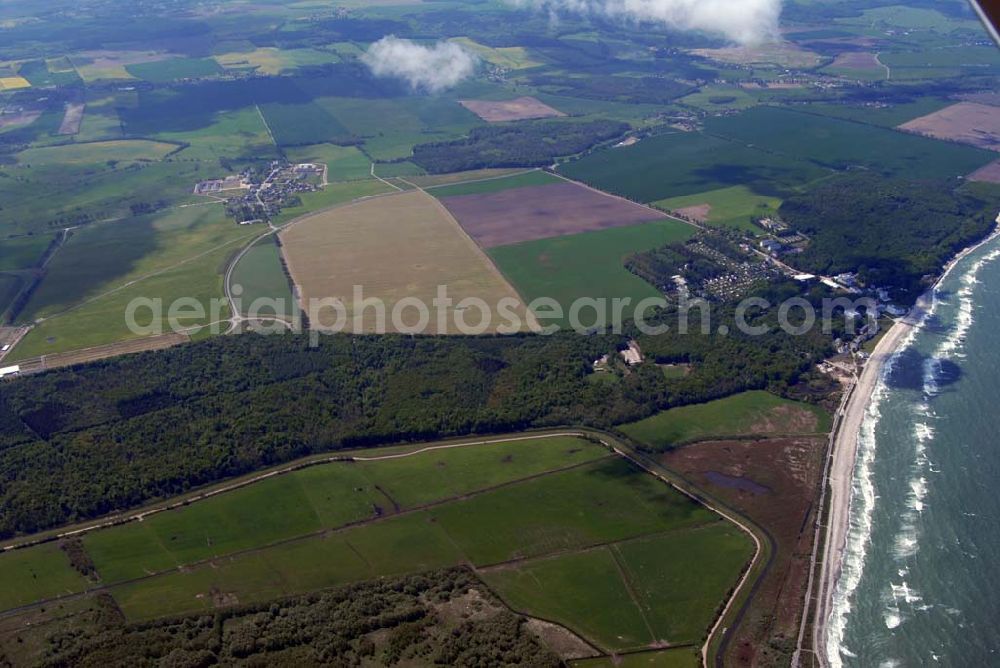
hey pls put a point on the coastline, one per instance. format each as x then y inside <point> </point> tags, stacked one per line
<point>845,449</point>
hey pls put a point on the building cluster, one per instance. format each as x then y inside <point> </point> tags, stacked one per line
<point>263,193</point>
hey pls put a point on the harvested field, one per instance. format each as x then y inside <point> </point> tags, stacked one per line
<point>775,482</point>
<point>698,213</point>
<point>19,118</point>
<point>988,174</point>
<point>523,108</point>
<point>966,122</point>
<point>856,60</point>
<point>73,119</point>
<point>782,54</point>
<point>14,83</point>
<point>540,212</point>
<point>990,97</point>
<point>396,248</point>
<point>74,357</point>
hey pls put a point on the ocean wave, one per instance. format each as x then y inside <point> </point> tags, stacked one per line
<point>863,495</point>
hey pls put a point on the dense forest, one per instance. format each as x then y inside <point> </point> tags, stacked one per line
<point>894,233</point>
<point>405,620</point>
<point>534,144</point>
<point>86,441</point>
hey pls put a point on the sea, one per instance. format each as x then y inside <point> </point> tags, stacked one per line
<point>921,575</point>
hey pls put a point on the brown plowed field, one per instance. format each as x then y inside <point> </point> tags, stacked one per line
<point>540,212</point>
<point>521,109</point>
<point>965,122</point>
<point>988,174</point>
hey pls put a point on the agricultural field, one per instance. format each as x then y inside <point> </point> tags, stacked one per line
<point>988,174</point>
<point>487,185</point>
<point>391,127</point>
<point>14,83</point>
<point>687,163</point>
<point>519,109</point>
<point>396,248</point>
<point>586,266</point>
<point>621,596</point>
<point>345,163</point>
<point>263,281</point>
<point>174,69</point>
<point>861,65</point>
<point>539,212</point>
<point>751,413</point>
<point>785,55</point>
<point>838,144</point>
<point>966,123</point>
<point>887,116</point>
<point>96,153</point>
<point>684,657</point>
<point>720,98</point>
<point>39,573</point>
<point>592,514</point>
<point>508,57</point>
<point>733,207</point>
<point>23,252</point>
<point>81,302</point>
<point>273,61</point>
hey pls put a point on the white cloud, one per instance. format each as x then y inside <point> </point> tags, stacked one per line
<point>742,21</point>
<point>431,68</point>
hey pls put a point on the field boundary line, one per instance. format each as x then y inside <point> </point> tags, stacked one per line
<point>320,533</point>
<point>758,546</point>
<point>482,180</point>
<point>630,588</point>
<point>659,212</point>
<point>140,279</point>
<point>308,462</point>
<point>266,126</point>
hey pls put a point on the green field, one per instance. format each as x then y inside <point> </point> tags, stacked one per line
<point>23,252</point>
<point>404,169</point>
<point>39,573</point>
<point>302,124</point>
<point>888,117</point>
<point>748,413</point>
<point>587,265</point>
<point>495,185</point>
<point>323,497</point>
<point>685,163</point>
<point>683,657</point>
<point>125,150</point>
<point>731,207</point>
<point>10,287</point>
<point>345,163</point>
<point>173,69</point>
<point>261,277</point>
<point>840,144</point>
<point>90,281</point>
<point>622,595</point>
<point>560,510</point>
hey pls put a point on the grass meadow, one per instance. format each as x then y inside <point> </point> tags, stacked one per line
<point>587,265</point>
<point>686,163</point>
<point>755,412</point>
<point>733,207</point>
<point>574,533</point>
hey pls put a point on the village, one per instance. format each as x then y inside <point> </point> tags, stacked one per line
<point>258,195</point>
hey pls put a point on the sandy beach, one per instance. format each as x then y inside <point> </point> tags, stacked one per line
<point>845,450</point>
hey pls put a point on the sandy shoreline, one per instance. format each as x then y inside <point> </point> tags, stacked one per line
<point>845,450</point>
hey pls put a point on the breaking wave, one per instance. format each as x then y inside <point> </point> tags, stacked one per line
<point>863,496</point>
